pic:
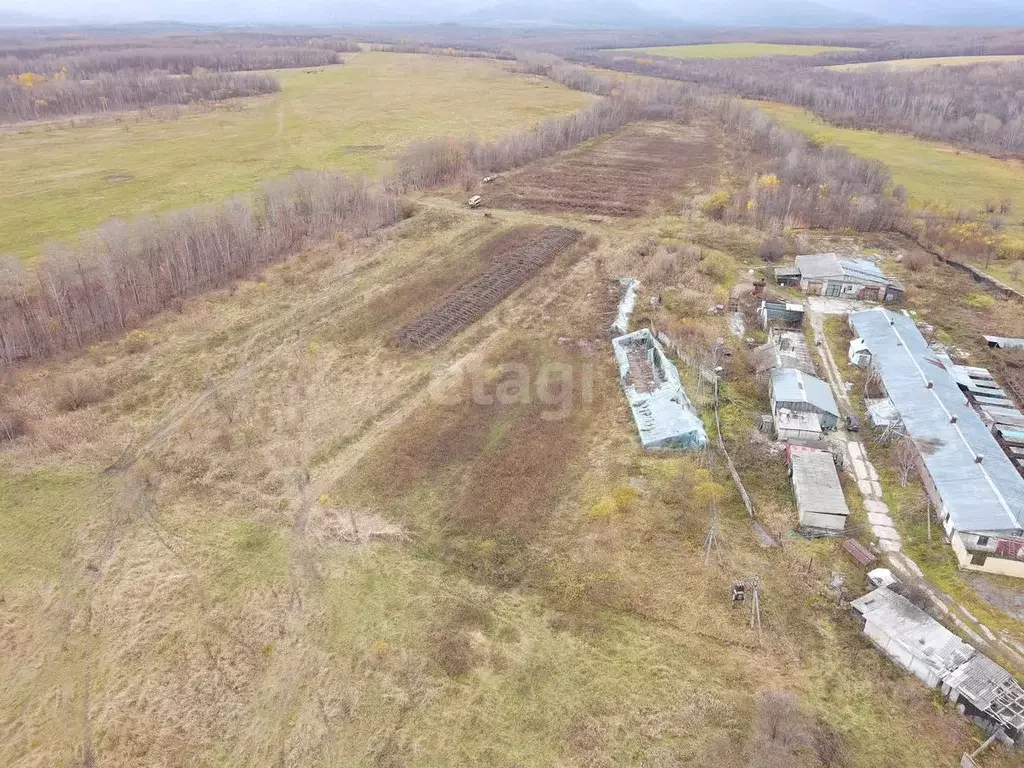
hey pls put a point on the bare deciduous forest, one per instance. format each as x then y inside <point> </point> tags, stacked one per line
<point>39,99</point>
<point>55,77</point>
<point>978,106</point>
<point>125,273</point>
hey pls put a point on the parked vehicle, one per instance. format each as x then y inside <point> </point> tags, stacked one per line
<point>852,423</point>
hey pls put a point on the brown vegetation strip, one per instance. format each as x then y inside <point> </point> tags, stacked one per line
<point>620,177</point>
<point>474,299</point>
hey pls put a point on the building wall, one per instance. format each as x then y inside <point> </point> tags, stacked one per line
<point>797,434</point>
<point>999,565</point>
<point>822,521</point>
<point>902,655</point>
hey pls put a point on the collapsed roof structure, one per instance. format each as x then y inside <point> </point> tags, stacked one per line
<point>981,689</point>
<point>664,415</point>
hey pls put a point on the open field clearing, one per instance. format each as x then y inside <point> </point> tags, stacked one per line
<point>318,547</point>
<point>60,179</point>
<point>931,172</point>
<point>936,61</point>
<point>735,50</point>
<point>618,176</point>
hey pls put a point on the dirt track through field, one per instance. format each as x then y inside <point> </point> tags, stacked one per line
<point>472,300</point>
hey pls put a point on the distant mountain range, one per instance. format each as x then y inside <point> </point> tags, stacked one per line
<point>560,13</point>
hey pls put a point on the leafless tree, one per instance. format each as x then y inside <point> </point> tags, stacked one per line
<point>905,456</point>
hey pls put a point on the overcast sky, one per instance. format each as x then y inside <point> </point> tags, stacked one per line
<point>780,12</point>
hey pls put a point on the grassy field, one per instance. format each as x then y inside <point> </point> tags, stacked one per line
<point>59,181</point>
<point>322,549</point>
<point>936,61</point>
<point>931,171</point>
<point>734,50</point>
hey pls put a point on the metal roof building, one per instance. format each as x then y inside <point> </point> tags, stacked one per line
<point>976,485</point>
<point>794,390</point>
<point>911,637</point>
<point>821,266</point>
<point>819,496</point>
<point>1003,342</point>
<point>989,692</point>
<point>984,691</point>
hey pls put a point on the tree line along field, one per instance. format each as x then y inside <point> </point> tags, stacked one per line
<point>64,178</point>
<point>933,61</point>
<point>931,171</point>
<point>735,50</point>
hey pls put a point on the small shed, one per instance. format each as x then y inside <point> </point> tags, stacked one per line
<point>787,276</point>
<point>819,496</point>
<point>784,313</point>
<point>799,392</point>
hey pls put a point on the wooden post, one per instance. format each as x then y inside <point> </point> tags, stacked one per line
<point>928,515</point>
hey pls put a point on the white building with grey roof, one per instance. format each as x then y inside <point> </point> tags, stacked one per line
<point>977,492</point>
<point>980,688</point>
<point>827,274</point>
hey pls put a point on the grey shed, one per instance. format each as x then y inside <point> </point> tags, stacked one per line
<point>797,391</point>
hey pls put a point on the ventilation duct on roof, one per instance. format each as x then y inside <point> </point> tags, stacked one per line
<point>978,459</point>
<point>952,419</point>
<point>929,385</point>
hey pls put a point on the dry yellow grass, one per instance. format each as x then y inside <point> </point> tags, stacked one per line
<point>317,550</point>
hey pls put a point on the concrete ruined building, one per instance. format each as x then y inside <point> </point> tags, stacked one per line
<point>975,489</point>
<point>794,392</point>
<point>981,689</point>
<point>664,415</point>
<point>826,274</point>
<point>819,496</point>
<point>626,305</point>
<point>784,349</point>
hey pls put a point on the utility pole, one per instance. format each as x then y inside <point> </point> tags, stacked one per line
<point>712,540</point>
<point>755,610</point>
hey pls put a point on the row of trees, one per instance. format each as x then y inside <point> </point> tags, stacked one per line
<point>979,106</point>
<point>169,60</point>
<point>36,98</point>
<point>871,44</point>
<point>128,271</point>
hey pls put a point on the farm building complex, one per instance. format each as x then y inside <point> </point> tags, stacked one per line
<point>826,274</point>
<point>977,492</point>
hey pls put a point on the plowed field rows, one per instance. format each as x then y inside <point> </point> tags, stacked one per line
<point>507,271</point>
<point>620,176</point>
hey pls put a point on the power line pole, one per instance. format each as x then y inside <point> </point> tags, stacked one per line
<point>712,540</point>
<point>755,609</point>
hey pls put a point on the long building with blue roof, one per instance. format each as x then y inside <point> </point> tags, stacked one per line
<point>977,491</point>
